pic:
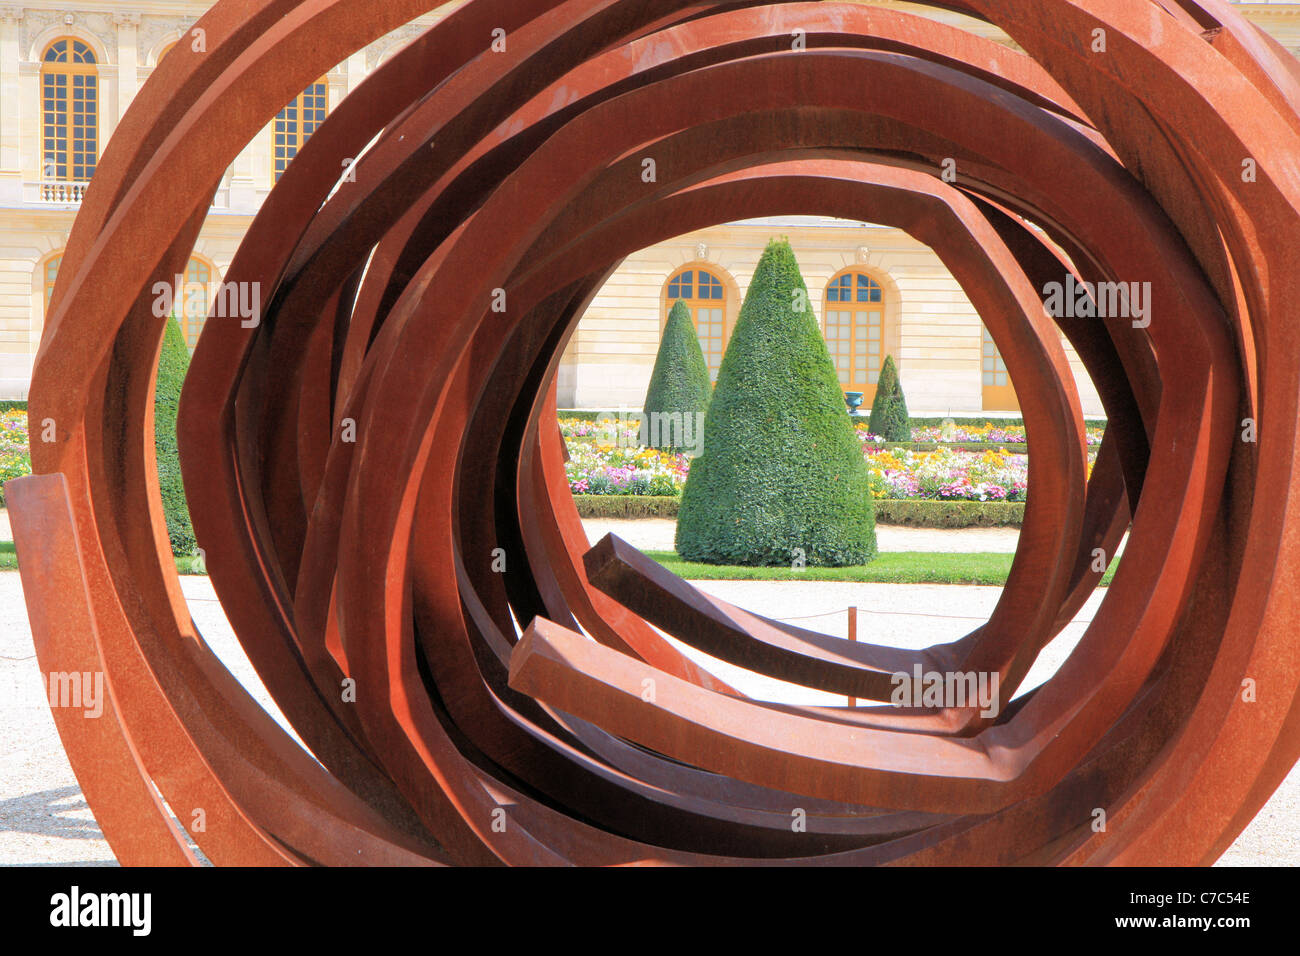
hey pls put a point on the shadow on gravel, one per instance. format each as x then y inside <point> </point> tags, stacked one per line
<point>44,813</point>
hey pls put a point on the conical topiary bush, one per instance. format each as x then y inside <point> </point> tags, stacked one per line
<point>782,480</point>
<point>889,417</point>
<point>173,363</point>
<point>680,389</point>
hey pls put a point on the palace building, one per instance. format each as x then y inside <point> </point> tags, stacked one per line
<point>68,72</point>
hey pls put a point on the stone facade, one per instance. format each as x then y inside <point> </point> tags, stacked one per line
<point>928,324</point>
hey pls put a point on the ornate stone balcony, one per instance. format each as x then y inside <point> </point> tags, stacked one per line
<point>54,192</point>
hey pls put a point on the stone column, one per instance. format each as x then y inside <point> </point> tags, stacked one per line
<point>356,70</point>
<point>128,60</point>
<point>17,120</point>
<point>29,92</point>
<point>243,180</point>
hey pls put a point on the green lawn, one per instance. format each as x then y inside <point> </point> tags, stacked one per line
<point>9,560</point>
<point>909,567</point>
<point>190,565</point>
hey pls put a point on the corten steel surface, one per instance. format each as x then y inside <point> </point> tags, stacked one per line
<point>375,564</point>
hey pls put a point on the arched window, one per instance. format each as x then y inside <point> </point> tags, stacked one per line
<point>855,331</point>
<point>51,274</point>
<point>69,112</point>
<point>191,310</point>
<point>296,122</point>
<point>998,394</point>
<point>706,297</point>
<point>165,50</point>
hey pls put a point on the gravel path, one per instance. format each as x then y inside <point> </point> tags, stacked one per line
<point>45,820</point>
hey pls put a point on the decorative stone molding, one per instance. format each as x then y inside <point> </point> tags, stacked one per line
<point>39,31</point>
<point>702,250</point>
<point>127,21</point>
<point>391,43</point>
<point>12,14</point>
<point>153,31</point>
<point>102,26</point>
<point>33,26</point>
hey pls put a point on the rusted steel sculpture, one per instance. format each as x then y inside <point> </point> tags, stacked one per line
<point>375,476</point>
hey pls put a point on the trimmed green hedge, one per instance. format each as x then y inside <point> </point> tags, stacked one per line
<point>680,389</point>
<point>595,414</point>
<point>173,363</point>
<point>950,514</point>
<point>782,473</point>
<point>889,418</point>
<point>9,406</point>
<point>915,514</point>
<point>627,506</point>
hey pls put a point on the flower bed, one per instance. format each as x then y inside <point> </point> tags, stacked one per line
<point>947,475</point>
<point>605,460</point>
<point>599,470</point>
<point>900,474</point>
<point>624,433</point>
<point>989,433</point>
<point>15,456</point>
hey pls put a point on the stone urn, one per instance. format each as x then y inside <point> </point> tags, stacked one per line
<point>854,401</point>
